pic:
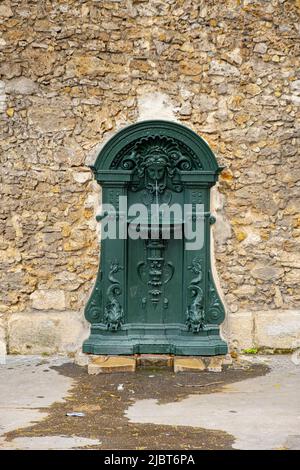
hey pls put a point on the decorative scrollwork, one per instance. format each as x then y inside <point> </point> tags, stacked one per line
<point>114,268</point>
<point>196,268</point>
<point>156,162</point>
<point>114,314</point>
<point>155,272</point>
<point>215,311</point>
<point>195,311</point>
<point>93,310</point>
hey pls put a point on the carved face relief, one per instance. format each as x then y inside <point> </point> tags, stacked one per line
<point>155,168</point>
<point>156,162</point>
<point>155,171</point>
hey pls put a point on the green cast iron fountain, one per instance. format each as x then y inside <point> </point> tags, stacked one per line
<point>152,295</point>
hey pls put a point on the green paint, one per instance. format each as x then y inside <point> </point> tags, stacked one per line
<point>153,296</point>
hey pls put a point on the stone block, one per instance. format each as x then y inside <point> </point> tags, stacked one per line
<point>52,299</point>
<point>86,65</point>
<point>293,276</point>
<point>46,332</point>
<point>50,120</point>
<point>5,11</point>
<point>215,363</point>
<point>111,364</point>
<point>155,360</point>
<point>205,102</point>
<point>189,364</point>
<point>21,86</point>
<point>223,69</point>
<point>261,48</point>
<point>267,273</point>
<point>245,291</point>
<point>277,329</point>
<point>240,328</point>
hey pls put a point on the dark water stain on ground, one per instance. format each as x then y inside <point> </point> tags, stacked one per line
<point>103,404</point>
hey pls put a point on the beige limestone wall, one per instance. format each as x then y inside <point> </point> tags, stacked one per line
<point>74,72</point>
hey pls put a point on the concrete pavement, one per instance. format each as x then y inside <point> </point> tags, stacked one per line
<point>262,412</point>
<point>27,385</point>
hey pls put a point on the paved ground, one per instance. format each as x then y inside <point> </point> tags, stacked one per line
<point>262,412</point>
<point>27,387</point>
<point>248,406</point>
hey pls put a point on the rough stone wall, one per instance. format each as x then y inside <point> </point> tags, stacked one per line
<point>72,73</point>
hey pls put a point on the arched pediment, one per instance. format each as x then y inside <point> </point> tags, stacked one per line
<point>132,147</point>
